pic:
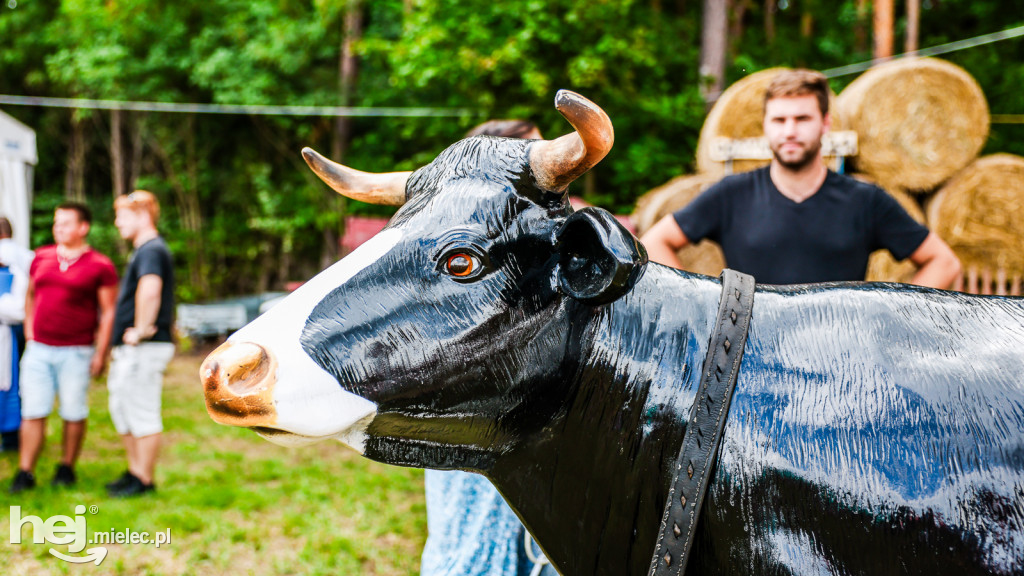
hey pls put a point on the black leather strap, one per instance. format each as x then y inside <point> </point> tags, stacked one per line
<point>705,426</point>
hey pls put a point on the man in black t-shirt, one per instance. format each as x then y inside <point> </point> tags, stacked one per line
<point>142,341</point>
<point>795,221</point>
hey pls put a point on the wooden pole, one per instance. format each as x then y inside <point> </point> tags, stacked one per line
<point>913,25</point>
<point>883,28</point>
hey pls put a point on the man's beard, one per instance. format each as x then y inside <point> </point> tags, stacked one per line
<point>802,161</point>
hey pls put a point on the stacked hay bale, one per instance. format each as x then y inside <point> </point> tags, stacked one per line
<point>980,213</point>
<point>918,122</point>
<point>705,257</point>
<point>920,125</point>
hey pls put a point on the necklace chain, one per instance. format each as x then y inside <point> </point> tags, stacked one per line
<point>64,262</point>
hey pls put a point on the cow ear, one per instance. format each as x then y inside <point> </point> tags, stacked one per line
<point>598,259</point>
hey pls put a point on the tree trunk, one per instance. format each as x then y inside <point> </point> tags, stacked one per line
<point>74,175</point>
<point>136,128</point>
<point>807,24</point>
<point>883,29</point>
<point>284,261</point>
<point>860,28</point>
<point>713,45</point>
<point>117,160</point>
<point>739,12</point>
<point>117,168</point>
<point>266,265</point>
<point>348,72</point>
<point>200,280</point>
<point>913,25</point>
<point>186,196</point>
<point>770,6</point>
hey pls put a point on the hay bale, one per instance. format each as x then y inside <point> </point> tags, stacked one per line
<point>739,113</point>
<point>882,267</point>
<point>705,257</point>
<point>918,121</point>
<point>980,214</point>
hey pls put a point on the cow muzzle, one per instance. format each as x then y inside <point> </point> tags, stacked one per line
<point>238,382</point>
<point>289,401</point>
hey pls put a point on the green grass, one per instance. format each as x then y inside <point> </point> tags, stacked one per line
<point>235,503</point>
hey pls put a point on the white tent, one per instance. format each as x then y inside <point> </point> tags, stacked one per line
<point>17,157</point>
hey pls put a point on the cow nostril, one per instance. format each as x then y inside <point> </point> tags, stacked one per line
<point>241,368</point>
<point>248,372</point>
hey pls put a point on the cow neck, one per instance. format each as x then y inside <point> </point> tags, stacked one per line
<point>637,366</point>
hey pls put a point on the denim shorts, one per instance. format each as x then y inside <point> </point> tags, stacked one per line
<point>49,372</point>
<point>136,384</point>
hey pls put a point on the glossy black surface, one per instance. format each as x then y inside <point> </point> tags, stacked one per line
<point>875,429</point>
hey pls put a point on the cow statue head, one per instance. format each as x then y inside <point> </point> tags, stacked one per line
<point>440,341</point>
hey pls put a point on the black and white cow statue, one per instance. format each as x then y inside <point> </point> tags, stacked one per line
<point>874,428</point>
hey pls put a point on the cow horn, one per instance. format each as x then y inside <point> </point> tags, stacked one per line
<point>556,163</point>
<point>386,188</point>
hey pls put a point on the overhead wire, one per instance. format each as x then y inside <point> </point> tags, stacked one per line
<point>384,111</point>
<point>245,109</point>
<point>932,51</point>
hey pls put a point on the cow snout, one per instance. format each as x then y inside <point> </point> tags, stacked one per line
<point>238,382</point>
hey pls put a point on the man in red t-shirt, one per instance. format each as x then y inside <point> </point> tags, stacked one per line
<point>69,316</point>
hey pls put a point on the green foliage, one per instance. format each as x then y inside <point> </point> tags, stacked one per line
<point>241,210</point>
<point>508,59</point>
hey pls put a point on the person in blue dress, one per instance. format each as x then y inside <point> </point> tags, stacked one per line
<point>14,263</point>
<point>471,530</point>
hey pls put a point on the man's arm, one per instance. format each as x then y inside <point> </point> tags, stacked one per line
<point>107,296</point>
<point>30,309</point>
<point>147,306</point>
<point>937,265</point>
<point>663,240</point>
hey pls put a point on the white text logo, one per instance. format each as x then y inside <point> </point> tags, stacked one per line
<point>61,530</point>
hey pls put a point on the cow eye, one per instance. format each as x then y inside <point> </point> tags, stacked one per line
<point>461,265</point>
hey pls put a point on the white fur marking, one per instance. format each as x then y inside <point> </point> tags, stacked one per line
<point>308,400</point>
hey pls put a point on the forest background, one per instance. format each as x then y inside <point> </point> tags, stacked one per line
<point>242,212</point>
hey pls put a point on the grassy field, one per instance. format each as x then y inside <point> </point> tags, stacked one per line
<point>235,504</point>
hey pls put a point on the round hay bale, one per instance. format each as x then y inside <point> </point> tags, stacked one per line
<point>739,113</point>
<point>980,214</point>
<point>918,121</point>
<point>705,257</point>
<point>882,267</point>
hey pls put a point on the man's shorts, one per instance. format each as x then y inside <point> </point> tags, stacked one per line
<point>135,384</point>
<point>49,372</point>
